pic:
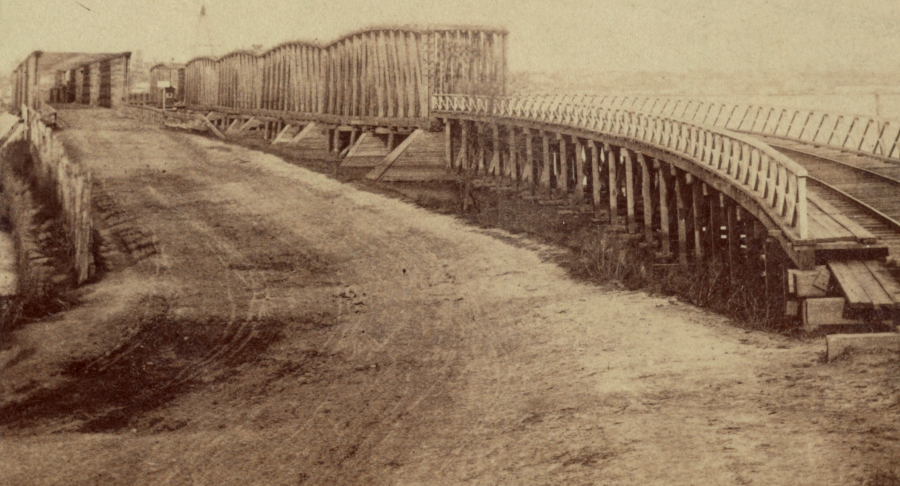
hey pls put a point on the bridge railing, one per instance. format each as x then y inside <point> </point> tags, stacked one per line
<point>857,133</point>
<point>777,183</point>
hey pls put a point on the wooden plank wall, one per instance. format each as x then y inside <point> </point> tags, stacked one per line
<point>85,85</point>
<point>290,78</point>
<point>94,87</point>
<point>86,81</point>
<point>118,81</point>
<point>386,72</point>
<point>202,82</point>
<point>79,84</point>
<point>471,62</point>
<point>25,83</point>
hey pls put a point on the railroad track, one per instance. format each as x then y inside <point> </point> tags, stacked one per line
<point>869,198</point>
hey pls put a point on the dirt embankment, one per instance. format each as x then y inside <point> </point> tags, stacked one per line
<point>261,324</point>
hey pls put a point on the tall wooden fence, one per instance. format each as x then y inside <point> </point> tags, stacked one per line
<point>380,73</point>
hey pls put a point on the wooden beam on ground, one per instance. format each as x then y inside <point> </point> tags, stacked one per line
<point>304,132</point>
<point>284,130</point>
<point>212,127</point>
<point>379,171</point>
<point>246,124</point>
<point>231,127</point>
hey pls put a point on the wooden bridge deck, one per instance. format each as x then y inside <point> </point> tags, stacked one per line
<point>863,190</point>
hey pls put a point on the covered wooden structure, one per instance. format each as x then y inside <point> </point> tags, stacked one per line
<point>174,74</point>
<point>95,79</point>
<point>373,74</point>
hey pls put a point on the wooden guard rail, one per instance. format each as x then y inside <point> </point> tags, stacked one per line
<point>146,113</point>
<point>774,181</point>
<point>855,133</point>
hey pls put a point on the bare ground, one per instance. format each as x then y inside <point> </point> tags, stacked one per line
<point>257,323</point>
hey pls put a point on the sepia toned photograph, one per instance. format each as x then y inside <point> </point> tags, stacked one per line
<point>457,242</point>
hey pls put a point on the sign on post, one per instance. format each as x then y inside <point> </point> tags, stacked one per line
<point>163,85</point>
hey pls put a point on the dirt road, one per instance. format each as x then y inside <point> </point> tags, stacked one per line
<point>257,323</point>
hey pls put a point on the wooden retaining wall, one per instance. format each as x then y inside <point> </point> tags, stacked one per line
<point>72,186</point>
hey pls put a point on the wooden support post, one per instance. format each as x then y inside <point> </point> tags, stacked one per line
<point>465,165</point>
<point>281,133</point>
<point>758,253</point>
<point>733,243</point>
<point>464,147</point>
<point>511,171</point>
<point>681,215</point>
<point>545,170</point>
<point>479,154</point>
<point>662,174</point>
<point>337,142</point>
<point>494,168</point>
<point>528,170</point>
<point>595,177</point>
<point>390,143</point>
<point>775,276</point>
<point>715,224</point>
<point>448,143</point>
<point>579,172</point>
<point>562,181</point>
<point>613,189</point>
<point>696,207</point>
<point>647,198</point>
<point>629,189</point>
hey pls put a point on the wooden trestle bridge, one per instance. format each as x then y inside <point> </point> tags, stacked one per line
<point>801,205</point>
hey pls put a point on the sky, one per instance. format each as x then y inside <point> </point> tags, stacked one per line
<point>680,36</point>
